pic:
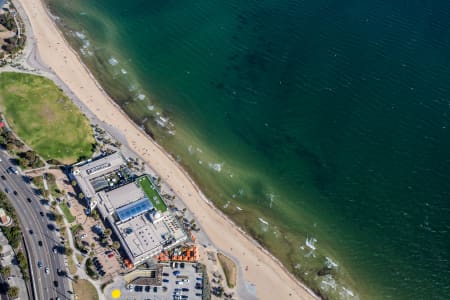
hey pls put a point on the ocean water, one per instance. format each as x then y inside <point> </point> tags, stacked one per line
<point>321,127</point>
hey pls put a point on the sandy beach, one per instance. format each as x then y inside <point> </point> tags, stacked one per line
<point>272,281</point>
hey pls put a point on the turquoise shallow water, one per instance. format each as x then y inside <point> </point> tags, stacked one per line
<point>316,120</point>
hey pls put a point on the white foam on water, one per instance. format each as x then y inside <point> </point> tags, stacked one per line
<point>161,121</point>
<point>80,35</point>
<point>86,44</point>
<point>140,96</point>
<point>216,166</point>
<point>190,149</point>
<point>238,208</point>
<point>123,71</point>
<point>113,62</point>
<point>328,283</point>
<point>310,243</point>
<point>263,221</point>
<point>330,263</point>
<point>199,150</point>
<point>171,132</point>
<point>226,204</point>
<point>150,107</point>
<point>86,52</point>
<point>132,87</point>
<point>200,162</point>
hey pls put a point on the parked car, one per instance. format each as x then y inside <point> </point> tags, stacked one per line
<point>47,270</point>
<point>28,199</point>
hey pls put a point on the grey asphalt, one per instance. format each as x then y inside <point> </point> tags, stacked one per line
<point>30,218</point>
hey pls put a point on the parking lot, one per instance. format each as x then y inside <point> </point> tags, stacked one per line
<point>178,282</point>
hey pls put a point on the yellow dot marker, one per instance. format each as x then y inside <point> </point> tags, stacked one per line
<point>115,294</point>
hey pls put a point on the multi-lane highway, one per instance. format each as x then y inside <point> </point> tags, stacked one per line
<point>39,239</point>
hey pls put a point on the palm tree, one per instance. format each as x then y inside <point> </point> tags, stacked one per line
<point>5,271</point>
<point>116,245</point>
<point>13,292</point>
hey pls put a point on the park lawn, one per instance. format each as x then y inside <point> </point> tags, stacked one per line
<point>45,118</point>
<point>147,186</point>
<point>85,290</point>
<point>69,217</point>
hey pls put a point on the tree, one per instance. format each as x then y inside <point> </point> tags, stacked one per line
<point>13,292</point>
<point>58,218</point>
<point>116,245</point>
<point>74,182</point>
<point>92,245</point>
<point>75,278</point>
<point>68,251</point>
<point>108,232</point>
<point>81,196</point>
<point>5,271</point>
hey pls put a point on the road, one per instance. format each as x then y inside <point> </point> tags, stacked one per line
<point>29,215</point>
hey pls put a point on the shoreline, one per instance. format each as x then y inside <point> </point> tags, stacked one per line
<point>60,57</point>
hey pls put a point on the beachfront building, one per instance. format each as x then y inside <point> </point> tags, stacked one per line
<point>133,207</point>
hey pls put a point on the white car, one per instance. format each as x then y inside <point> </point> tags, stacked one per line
<point>47,270</point>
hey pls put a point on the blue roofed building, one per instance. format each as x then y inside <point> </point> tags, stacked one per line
<point>134,209</point>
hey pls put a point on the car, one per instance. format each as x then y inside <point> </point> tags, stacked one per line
<point>39,264</point>
<point>3,177</point>
<point>40,243</point>
<point>15,193</point>
<point>138,288</point>
<point>83,236</point>
<point>31,231</point>
<point>55,249</point>
<point>185,289</point>
<point>56,283</point>
<point>29,200</point>
<point>41,213</point>
<point>13,170</point>
<point>47,270</point>
<point>165,280</point>
<point>155,289</point>
<point>182,265</point>
<point>147,288</point>
<point>111,255</point>
<point>6,190</point>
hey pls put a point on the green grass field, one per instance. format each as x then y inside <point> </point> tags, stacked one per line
<point>45,118</point>
<point>69,217</point>
<point>146,185</point>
